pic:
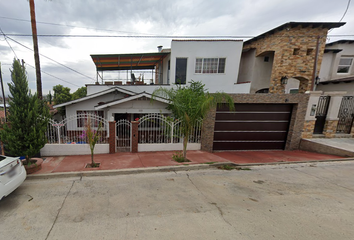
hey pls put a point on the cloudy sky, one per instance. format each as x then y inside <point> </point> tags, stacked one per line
<point>72,66</point>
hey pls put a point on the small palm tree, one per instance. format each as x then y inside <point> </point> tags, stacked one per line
<point>92,136</point>
<point>190,104</point>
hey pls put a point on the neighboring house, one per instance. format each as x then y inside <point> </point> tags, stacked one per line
<point>337,70</point>
<point>285,54</point>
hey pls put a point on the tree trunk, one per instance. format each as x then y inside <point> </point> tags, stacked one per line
<point>93,164</point>
<point>35,48</point>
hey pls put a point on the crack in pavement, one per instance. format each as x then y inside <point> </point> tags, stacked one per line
<point>212,203</point>
<point>62,204</point>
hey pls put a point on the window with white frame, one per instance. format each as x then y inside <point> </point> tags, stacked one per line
<point>345,64</point>
<point>210,65</point>
<point>82,117</point>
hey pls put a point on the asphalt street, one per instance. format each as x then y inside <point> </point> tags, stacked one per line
<point>292,201</point>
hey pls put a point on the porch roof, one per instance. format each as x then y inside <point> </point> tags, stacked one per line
<point>134,61</point>
<point>130,98</point>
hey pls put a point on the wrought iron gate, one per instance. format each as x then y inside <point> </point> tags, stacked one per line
<point>123,137</point>
<point>321,114</point>
<point>346,115</point>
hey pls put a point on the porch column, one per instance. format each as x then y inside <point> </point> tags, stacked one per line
<point>332,116</point>
<point>135,136</point>
<point>112,137</point>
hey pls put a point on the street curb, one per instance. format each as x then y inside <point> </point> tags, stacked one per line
<point>127,171</point>
<point>202,166</point>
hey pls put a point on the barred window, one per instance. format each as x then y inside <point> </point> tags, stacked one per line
<point>82,118</point>
<point>210,65</point>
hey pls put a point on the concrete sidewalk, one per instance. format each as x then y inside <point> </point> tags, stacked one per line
<point>123,160</point>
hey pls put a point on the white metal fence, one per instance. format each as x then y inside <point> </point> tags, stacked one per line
<point>73,129</point>
<point>157,128</point>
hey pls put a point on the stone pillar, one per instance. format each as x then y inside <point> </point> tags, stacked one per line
<point>330,128</point>
<point>309,127</point>
<point>135,136</point>
<point>112,137</point>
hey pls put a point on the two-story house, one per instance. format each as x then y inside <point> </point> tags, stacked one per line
<point>337,70</point>
<point>133,77</point>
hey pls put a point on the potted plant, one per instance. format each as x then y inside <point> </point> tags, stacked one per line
<point>24,134</point>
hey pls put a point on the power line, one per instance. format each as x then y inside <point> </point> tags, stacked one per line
<point>346,10</point>
<point>160,36</point>
<point>72,26</point>
<point>54,76</point>
<point>53,60</point>
<point>8,43</point>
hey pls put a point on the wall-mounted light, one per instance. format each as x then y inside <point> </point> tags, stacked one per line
<point>284,80</point>
<point>317,80</point>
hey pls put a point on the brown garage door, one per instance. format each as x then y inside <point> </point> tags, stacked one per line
<point>251,126</point>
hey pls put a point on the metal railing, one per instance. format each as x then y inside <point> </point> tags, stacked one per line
<point>157,128</point>
<point>72,130</point>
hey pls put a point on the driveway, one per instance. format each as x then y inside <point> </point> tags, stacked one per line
<point>292,201</point>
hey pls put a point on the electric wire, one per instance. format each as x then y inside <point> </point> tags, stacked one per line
<point>52,60</point>
<point>54,76</point>
<point>8,43</point>
<point>72,26</point>
<point>346,10</point>
<point>158,36</point>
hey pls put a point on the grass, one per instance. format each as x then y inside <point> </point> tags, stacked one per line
<point>230,167</point>
<point>178,157</point>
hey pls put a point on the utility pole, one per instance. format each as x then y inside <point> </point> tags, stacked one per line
<point>35,48</point>
<point>3,94</point>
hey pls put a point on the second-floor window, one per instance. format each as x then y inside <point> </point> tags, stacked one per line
<point>210,65</point>
<point>344,65</point>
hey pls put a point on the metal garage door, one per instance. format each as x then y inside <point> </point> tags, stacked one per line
<point>251,126</point>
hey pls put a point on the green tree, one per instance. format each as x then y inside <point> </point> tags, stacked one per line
<point>28,117</point>
<point>79,93</point>
<point>49,98</point>
<point>61,95</point>
<point>190,104</point>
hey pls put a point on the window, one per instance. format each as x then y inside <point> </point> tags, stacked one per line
<point>344,65</point>
<point>82,117</point>
<point>181,70</point>
<point>296,51</point>
<point>210,65</point>
<point>293,90</point>
<point>309,51</point>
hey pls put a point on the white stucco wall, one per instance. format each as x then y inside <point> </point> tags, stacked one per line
<point>262,73</point>
<point>89,104</point>
<point>192,49</point>
<point>138,106</point>
<point>347,87</point>
<point>248,60</point>
<point>72,149</point>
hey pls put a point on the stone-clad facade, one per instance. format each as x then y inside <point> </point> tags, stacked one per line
<point>294,47</point>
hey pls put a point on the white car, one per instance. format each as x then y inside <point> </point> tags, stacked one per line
<point>12,174</point>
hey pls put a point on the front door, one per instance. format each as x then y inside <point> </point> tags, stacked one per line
<point>321,114</point>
